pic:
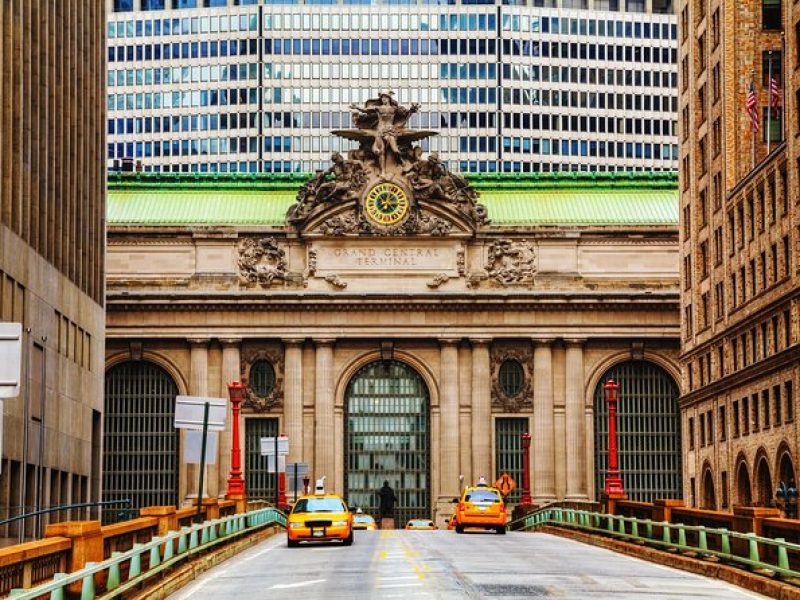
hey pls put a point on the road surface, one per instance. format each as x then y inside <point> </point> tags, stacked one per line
<point>424,565</point>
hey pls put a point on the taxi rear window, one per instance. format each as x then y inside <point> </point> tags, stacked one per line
<point>362,519</point>
<point>482,496</point>
<point>307,505</point>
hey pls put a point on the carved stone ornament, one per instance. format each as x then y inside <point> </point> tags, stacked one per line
<point>261,261</point>
<point>511,261</point>
<point>438,280</point>
<point>501,401</point>
<point>336,281</point>
<point>384,181</point>
<point>274,399</point>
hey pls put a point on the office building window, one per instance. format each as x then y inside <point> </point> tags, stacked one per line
<point>123,5</point>
<point>771,14</point>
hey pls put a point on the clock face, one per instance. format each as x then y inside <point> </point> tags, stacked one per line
<point>386,204</point>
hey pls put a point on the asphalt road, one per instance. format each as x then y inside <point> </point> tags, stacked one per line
<point>440,564</point>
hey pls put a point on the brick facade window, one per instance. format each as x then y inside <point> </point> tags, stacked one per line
<point>723,424</point>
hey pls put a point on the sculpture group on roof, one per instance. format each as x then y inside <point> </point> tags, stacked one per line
<point>386,152</point>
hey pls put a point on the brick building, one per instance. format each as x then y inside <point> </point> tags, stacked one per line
<point>739,241</point>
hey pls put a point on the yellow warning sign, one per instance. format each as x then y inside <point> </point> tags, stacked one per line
<point>506,484</point>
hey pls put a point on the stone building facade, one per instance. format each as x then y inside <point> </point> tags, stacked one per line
<point>415,349</point>
<point>52,211</point>
<point>739,250</point>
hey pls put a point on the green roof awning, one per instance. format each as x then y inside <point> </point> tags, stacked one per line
<point>537,200</point>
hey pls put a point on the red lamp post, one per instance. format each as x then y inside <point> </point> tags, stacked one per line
<point>236,489</point>
<point>614,486</point>
<point>526,470</point>
<point>282,502</point>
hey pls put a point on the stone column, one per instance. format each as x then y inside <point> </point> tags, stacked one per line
<point>324,463</point>
<point>481,409</point>
<point>576,439</point>
<point>448,463</point>
<point>465,413</point>
<point>544,476</point>
<point>231,371</point>
<point>198,386</point>
<point>293,398</point>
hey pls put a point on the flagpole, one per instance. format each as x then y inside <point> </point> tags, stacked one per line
<point>752,125</point>
<point>768,124</point>
<point>783,86</point>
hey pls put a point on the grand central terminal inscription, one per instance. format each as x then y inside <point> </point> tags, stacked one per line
<point>355,256</point>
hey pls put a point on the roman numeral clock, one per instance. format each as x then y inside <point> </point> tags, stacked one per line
<point>386,204</point>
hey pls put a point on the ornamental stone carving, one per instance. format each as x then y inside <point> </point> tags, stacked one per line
<point>511,261</point>
<point>501,400</point>
<point>385,182</point>
<point>261,261</point>
<point>273,400</point>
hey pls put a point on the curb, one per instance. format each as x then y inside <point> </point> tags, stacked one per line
<point>184,574</point>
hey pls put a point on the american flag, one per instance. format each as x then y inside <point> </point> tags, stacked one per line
<point>751,106</point>
<point>774,97</point>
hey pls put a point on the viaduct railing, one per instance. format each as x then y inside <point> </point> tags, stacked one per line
<point>85,558</point>
<point>754,538</point>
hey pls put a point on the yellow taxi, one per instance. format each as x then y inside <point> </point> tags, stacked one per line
<point>420,524</point>
<point>319,517</point>
<point>362,521</point>
<point>480,506</point>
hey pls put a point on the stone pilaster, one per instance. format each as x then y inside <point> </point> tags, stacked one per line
<point>481,409</point>
<point>198,386</point>
<point>544,477</point>
<point>293,398</point>
<point>449,463</point>
<point>324,463</point>
<point>576,439</point>
<point>231,365</point>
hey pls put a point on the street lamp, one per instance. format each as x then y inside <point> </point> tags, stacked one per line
<point>787,497</point>
<point>526,470</point>
<point>236,489</point>
<point>613,480</point>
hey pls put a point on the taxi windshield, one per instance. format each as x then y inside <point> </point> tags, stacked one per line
<point>309,505</point>
<point>481,496</point>
<point>421,523</point>
<point>362,519</point>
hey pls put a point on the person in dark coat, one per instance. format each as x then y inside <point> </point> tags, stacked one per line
<point>387,500</point>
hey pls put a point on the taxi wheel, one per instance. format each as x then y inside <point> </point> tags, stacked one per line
<point>292,543</point>
<point>348,541</point>
<point>459,528</point>
<point>501,530</point>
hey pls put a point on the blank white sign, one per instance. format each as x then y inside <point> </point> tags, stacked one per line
<point>10,359</point>
<point>189,412</point>
<point>193,444</point>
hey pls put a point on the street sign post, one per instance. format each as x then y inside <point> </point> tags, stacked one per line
<point>297,471</point>
<point>277,448</point>
<point>193,413</point>
<point>10,359</point>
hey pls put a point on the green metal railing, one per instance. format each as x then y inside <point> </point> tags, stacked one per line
<point>743,549</point>
<point>161,552</point>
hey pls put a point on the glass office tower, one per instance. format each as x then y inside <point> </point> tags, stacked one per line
<point>247,86</point>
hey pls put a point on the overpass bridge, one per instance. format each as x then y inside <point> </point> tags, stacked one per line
<point>441,564</point>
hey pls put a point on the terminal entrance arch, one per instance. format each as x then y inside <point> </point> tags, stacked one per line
<point>648,431</point>
<point>387,438</point>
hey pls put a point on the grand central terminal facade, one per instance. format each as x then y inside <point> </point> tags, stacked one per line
<point>397,322</point>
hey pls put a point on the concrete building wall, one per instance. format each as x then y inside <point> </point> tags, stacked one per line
<point>52,241</point>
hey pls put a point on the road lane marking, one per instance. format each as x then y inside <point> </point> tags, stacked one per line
<point>283,586</point>
<point>398,585</point>
<point>398,577</point>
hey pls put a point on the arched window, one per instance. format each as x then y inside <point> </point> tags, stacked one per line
<point>512,377</point>
<point>709,497</point>
<point>140,442</point>
<point>763,483</point>
<point>648,432</point>
<point>262,378</point>
<point>743,490</point>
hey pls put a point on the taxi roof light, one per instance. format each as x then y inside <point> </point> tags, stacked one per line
<point>319,486</point>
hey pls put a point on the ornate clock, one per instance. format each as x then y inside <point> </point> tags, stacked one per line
<point>386,204</point>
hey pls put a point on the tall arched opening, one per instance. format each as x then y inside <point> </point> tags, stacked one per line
<point>140,442</point>
<point>648,431</point>
<point>786,468</point>
<point>709,497</point>
<point>387,438</point>
<point>763,482</point>
<point>743,489</point>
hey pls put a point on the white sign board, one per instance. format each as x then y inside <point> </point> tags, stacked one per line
<point>268,446</point>
<point>193,445</point>
<point>189,412</point>
<point>271,463</point>
<point>10,359</point>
